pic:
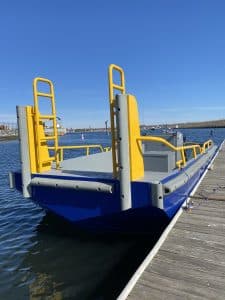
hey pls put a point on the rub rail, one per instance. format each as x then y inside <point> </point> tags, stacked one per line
<point>73,184</point>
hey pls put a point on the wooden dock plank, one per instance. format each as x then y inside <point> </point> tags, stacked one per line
<point>190,264</point>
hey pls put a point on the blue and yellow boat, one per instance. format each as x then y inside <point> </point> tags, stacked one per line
<point>135,186</point>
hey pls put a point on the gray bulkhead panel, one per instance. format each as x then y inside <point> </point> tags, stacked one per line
<point>159,157</point>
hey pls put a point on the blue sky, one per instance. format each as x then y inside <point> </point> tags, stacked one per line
<point>172,51</point>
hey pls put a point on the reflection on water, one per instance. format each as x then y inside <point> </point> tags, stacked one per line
<point>42,257</point>
<point>75,264</point>
<point>55,261</point>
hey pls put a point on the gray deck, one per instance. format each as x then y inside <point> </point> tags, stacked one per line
<point>189,263</point>
<point>99,166</point>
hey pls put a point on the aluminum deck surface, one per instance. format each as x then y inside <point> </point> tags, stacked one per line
<point>99,166</point>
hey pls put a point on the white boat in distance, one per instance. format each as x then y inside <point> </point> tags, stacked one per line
<point>60,129</point>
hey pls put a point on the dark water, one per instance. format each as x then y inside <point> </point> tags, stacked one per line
<point>42,257</point>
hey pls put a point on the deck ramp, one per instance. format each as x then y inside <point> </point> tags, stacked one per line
<point>188,262</point>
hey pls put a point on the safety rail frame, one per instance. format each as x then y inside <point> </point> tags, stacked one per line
<point>181,148</point>
<point>39,117</point>
<point>112,88</point>
<point>72,147</point>
<point>206,145</point>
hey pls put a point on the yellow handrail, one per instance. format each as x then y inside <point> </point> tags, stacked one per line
<point>38,118</point>
<point>106,149</point>
<point>112,88</point>
<point>181,148</point>
<point>87,147</point>
<point>206,145</point>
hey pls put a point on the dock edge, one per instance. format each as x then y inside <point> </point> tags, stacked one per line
<point>131,283</point>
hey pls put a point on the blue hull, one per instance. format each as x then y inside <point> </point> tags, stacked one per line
<point>101,212</point>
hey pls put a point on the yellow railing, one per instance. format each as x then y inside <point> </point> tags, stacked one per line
<point>106,149</point>
<point>112,87</point>
<point>38,118</point>
<point>87,147</point>
<point>182,161</point>
<point>39,135</point>
<point>206,145</point>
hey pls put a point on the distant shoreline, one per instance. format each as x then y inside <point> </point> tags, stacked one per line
<point>8,138</point>
<point>146,127</point>
<point>201,127</point>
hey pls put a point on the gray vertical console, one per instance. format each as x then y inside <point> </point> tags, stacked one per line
<point>123,151</point>
<point>175,138</point>
<point>24,154</point>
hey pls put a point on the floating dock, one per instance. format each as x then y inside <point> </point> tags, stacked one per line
<point>188,261</point>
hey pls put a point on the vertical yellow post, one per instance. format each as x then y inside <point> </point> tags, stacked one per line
<point>183,157</point>
<point>135,146</point>
<point>194,152</point>
<point>31,139</point>
<point>121,88</point>
<point>61,154</point>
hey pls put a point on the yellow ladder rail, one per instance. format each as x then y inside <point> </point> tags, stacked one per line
<point>112,87</point>
<point>38,118</point>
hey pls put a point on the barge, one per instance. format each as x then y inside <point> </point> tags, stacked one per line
<point>137,185</point>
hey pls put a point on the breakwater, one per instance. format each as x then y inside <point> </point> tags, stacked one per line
<point>203,124</point>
